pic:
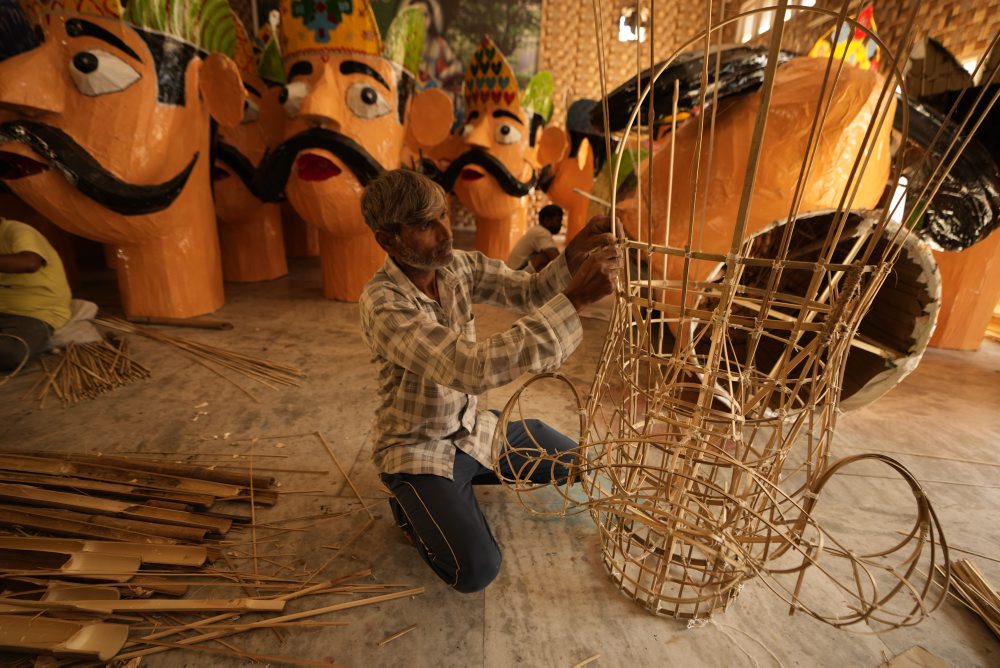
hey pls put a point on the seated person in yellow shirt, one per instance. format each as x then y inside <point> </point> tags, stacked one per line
<point>34,294</point>
<point>537,247</point>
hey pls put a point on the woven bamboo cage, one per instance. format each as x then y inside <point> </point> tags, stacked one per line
<point>707,432</point>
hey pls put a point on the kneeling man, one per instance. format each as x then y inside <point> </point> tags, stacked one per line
<point>431,442</point>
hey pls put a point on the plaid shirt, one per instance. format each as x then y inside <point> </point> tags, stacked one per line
<point>430,366</point>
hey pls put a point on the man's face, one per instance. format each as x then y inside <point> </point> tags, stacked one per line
<point>118,144</point>
<point>503,133</point>
<point>425,244</point>
<point>355,98</point>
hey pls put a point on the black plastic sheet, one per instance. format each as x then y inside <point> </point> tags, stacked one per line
<point>741,70</point>
<point>966,208</point>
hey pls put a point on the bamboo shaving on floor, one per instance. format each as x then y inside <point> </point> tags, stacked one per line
<point>263,371</point>
<point>82,371</point>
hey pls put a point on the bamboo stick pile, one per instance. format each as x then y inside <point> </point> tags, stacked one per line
<point>971,587</point>
<point>88,370</point>
<point>218,360</point>
<point>112,558</point>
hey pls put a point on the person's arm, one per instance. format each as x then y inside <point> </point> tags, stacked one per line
<point>497,284</point>
<point>24,262</point>
<point>402,333</point>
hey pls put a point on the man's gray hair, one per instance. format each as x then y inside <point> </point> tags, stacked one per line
<point>399,197</point>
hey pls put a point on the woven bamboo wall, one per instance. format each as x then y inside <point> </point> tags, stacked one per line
<point>965,27</point>
<point>569,44</point>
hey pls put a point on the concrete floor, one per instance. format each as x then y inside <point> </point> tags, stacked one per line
<point>553,604</point>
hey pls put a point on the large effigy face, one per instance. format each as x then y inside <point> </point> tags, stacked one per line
<point>493,188</point>
<point>503,147</point>
<point>104,125</point>
<point>240,149</point>
<point>345,126</point>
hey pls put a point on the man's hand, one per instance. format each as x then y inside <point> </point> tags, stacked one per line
<point>25,262</point>
<point>597,233</point>
<point>595,276</point>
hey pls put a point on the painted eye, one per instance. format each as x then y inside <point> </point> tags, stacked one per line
<point>250,111</point>
<point>97,72</point>
<point>366,102</point>
<point>507,134</point>
<point>292,96</point>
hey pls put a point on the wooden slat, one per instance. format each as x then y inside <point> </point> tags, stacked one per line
<point>169,555</point>
<point>111,488</point>
<point>28,518</point>
<point>100,606</point>
<point>82,565</point>
<point>74,640</point>
<point>116,474</point>
<point>215,474</point>
<point>190,534</point>
<point>27,495</point>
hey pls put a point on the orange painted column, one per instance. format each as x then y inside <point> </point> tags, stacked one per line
<point>970,290</point>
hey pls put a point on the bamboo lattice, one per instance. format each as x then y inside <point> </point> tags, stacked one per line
<point>707,432</point>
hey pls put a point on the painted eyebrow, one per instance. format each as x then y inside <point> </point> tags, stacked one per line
<point>473,115</point>
<point>354,67</point>
<point>503,113</point>
<point>251,89</point>
<point>81,28</point>
<point>301,68</point>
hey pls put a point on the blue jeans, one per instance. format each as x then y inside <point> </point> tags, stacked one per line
<point>443,516</point>
<point>35,333</point>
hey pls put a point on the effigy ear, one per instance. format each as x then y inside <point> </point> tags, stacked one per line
<point>221,88</point>
<point>430,117</point>
<point>552,146</point>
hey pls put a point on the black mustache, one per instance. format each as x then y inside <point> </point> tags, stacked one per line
<point>237,163</point>
<point>495,168</point>
<point>88,176</point>
<point>276,166</point>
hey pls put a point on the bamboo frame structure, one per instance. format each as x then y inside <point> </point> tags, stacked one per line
<point>707,432</point>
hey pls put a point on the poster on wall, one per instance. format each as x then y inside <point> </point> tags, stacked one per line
<point>454,31</point>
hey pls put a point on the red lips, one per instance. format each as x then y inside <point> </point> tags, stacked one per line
<point>16,166</point>
<point>471,175</point>
<point>312,167</point>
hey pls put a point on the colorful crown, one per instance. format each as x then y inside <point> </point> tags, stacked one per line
<point>329,25</point>
<point>232,40</point>
<point>36,10</point>
<point>204,23</point>
<point>404,41</point>
<point>489,81</point>
<point>269,64</point>
<point>538,95</point>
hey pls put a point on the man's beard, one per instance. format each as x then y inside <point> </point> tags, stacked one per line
<point>438,257</point>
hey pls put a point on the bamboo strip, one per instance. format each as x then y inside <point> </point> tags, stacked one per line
<point>63,526</point>
<point>343,472</point>
<point>397,634</point>
<point>176,469</point>
<point>27,495</point>
<point>150,605</point>
<point>976,592</point>
<point>347,605</point>
<point>113,489</point>
<point>260,658</point>
<point>170,531</point>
